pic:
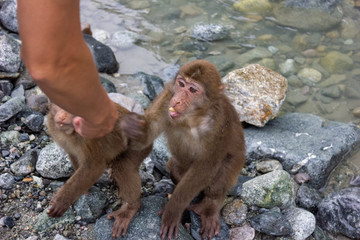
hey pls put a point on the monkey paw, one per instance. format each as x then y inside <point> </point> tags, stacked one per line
<point>58,208</point>
<point>210,220</point>
<point>122,218</point>
<point>170,222</point>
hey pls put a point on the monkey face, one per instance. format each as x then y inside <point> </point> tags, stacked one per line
<point>188,94</point>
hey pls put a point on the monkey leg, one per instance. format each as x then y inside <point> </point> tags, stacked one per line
<point>125,172</point>
<point>83,178</point>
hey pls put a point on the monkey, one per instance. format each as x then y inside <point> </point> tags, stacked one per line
<point>90,157</point>
<point>206,141</point>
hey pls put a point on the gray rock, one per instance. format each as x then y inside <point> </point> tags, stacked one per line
<point>308,198</point>
<point>107,84</point>
<point>25,164</point>
<point>340,212</point>
<point>234,213</point>
<point>196,224</point>
<point>209,32</point>
<point>222,63</point>
<point>268,165</point>
<point>309,76</point>
<point>6,87</point>
<point>10,137</point>
<point>34,122</point>
<point>274,189</point>
<point>8,15</point>
<point>18,92</point>
<point>60,237</point>
<point>9,54</point>
<point>38,103</point>
<point>103,55</point>
<point>124,39</point>
<point>26,80</point>
<point>296,97</point>
<point>336,62</point>
<point>45,223</point>
<point>91,206</point>
<point>302,222</point>
<point>153,84</point>
<point>237,189</point>
<point>6,181</point>
<point>163,187</point>
<point>303,141</point>
<point>288,67</point>
<point>272,223</point>
<point>11,108</point>
<point>253,54</point>
<point>127,103</point>
<point>245,232</point>
<point>332,91</point>
<point>160,154</point>
<point>144,226</point>
<point>257,93</point>
<point>53,162</point>
<point>352,89</point>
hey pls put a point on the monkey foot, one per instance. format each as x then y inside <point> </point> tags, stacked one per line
<point>122,218</point>
<point>58,208</point>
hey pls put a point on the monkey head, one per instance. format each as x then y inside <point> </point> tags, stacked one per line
<point>196,83</point>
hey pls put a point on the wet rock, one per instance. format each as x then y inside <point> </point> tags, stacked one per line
<point>352,89</point>
<point>309,76</point>
<point>11,108</point>
<point>296,97</point>
<point>310,15</point>
<point>8,15</point>
<point>339,212</point>
<point>6,181</point>
<point>100,34</point>
<point>153,84</point>
<point>209,32</point>
<point>308,198</point>
<point>272,223</point>
<point>194,45</point>
<point>256,92</point>
<point>6,87</point>
<point>196,224</point>
<point>45,223</point>
<point>334,79</point>
<point>244,232</point>
<point>139,4</point>
<point>268,166</point>
<point>124,39</point>
<point>38,103</point>
<point>34,122</point>
<point>9,54</point>
<point>288,67</point>
<point>302,222</point>
<point>145,224</point>
<point>280,139</point>
<point>126,102</point>
<point>234,213</point>
<point>25,164</point>
<point>10,137</point>
<point>274,189</point>
<point>53,162</point>
<point>90,206</point>
<point>252,55</point>
<point>223,64</point>
<point>103,55</point>
<point>336,62</point>
<point>332,91</point>
<point>253,6</point>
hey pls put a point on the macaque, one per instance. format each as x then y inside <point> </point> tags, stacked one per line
<point>206,141</point>
<point>90,157</point>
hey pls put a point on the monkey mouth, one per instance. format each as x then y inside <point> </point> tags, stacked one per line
<point>173,113</point>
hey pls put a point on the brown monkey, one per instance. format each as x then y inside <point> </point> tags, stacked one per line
<point>90,157</point>
<point>206,141</point>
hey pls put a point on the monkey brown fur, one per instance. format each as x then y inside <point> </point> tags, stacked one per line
<point>90,157</point>
<point>206,141</point>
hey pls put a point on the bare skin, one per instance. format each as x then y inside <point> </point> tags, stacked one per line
<point>211,152</point>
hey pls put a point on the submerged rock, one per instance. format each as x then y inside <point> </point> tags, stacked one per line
<point>256,92</point>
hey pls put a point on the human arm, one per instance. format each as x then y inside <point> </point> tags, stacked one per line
<point>61,64</point>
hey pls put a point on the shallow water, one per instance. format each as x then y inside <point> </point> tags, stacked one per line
<point>160,28</point>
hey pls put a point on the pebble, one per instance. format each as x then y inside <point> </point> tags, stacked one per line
<point>302,178</point>
<point>356,112</point>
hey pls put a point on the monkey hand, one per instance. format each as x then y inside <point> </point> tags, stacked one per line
<point>58,206</point>
<point>170,221</point>
<point>133,125</point>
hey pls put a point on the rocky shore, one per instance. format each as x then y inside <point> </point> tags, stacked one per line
<point>278,194</point>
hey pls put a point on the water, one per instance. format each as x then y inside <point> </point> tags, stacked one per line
<point>162,38</point>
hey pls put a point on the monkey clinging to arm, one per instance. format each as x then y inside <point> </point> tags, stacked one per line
<point>90,157</point>
<point>206,141</point>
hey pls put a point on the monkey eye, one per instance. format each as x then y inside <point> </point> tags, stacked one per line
<point>193,90</point>
<point>181,83</point>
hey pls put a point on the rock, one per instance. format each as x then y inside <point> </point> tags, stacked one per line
<point>25,164</point>
<point>9,54</point>
<point>53,162</point>
<point>10,137</point>
<point>26,80</point>
<point>107,84</point>
<point>6,87</point>
<point>336,62</point>
<point>309,76</point>
<point>160,154</point>
<point>309,15</point>
<point>6,181</point>
<point>34,122</point>
<point>124,39</point>
<point>103,55</point>
<point>163,187</point>
<point>274,189</point>
<point>90,206</point>
<point>301,178</point>
<point>339,212</point>
<point>145,224</point>
<point>296,97</point>
<point>127,103</point>
<point>268,166</point>
<point>352,89</point>
<point>45,223</point>
<point>223,64</point>
<point>234,213</point>
<point>302,222</point>
<point>153,84</point>
<point>244,232</point>
<point>38,103</point>
<point>253,55</point>
<point>100,34</point>
<point>356,112</point>
<point>237,189</point>
<point>60,237</point>
<point>308,198</point>
<point>280,139</point>
<point>332,91</point>
<point>18,92</point>
<point>253,6</point>
<point>11,108</point>
<point>190,45</point>
<point>256,92</point>
<point>334,79</point>
<point>271,223</point>
<point>209,32</point>
<point>7,222</point>
<point>170,72</point>
<point>139,4</point>
<point>288,67</point>
<point>196,224</point>
<point>8,15</point>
